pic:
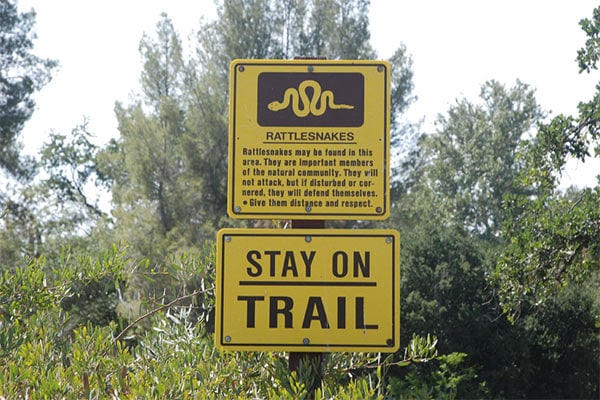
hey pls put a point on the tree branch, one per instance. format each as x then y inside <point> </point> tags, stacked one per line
<point>154,311</point>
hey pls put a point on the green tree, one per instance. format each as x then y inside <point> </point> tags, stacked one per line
<point>472,158</point>
<point>563,344</point>
<point>554,237</point>
<point>20,229</point>
<point>450,219</point>
<point>60,207</point>
<point>21,74</point>
<point>168,170</point>
<point>279,30</point>
<point>151,178</point>
<point>338,30</point>
<point>547,275</point>
<point>69,165</point>
<point>445,292</point>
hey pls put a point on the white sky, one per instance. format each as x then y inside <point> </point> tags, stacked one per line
<point>455,45</point>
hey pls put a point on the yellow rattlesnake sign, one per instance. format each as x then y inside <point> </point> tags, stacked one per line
<point>309,139</point>
<point>302,105</point>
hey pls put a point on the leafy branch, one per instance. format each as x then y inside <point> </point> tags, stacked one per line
<point>156,310</point>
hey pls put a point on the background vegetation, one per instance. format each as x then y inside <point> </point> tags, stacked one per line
<point>500,268</point>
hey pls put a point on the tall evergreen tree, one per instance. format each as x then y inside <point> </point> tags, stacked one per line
<point>21,74</point>
<point>279,29</point>
<point>168,169</point>
<point>151,181</point>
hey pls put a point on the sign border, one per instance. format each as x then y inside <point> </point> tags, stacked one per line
<point>220,340</point>
<point>231,206</point>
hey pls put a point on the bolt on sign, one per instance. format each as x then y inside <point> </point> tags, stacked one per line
<point>309,139</point>
<point>309,290</point>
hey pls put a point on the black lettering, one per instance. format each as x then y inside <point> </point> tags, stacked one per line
<point>315,304</point>
<point>289,263</point>
<point>341,313</point>
<point>250,308</point>
<point>363,266</point>
<point>337,272</point>
<point>308,260</point>
<point>286,311</point>
<point>252,254</point>
<point>360,315</point>
<point>272,254</point>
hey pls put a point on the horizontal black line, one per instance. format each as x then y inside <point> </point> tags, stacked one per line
<point>305,283</point>
<point>309,142</point>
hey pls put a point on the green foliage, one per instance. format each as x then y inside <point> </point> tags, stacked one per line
<point>168,169</point>
<point>44,356</point>
<point>70,163</point>
<point>58,206</point>
<point>136,321</point>
<point>451,217</point>
<point>553,237</point>
<point>151,146</point>
<point>21,74</point>
<point>553,241</point>
<point>167,350</point>
<point>589,55</point>
<point>445,292</point>
<point>564,344</point>
<point>472,156</point>
<point>438,379</point>
<point>20,229</point>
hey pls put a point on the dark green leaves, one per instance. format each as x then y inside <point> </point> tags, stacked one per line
<point>588,56</point>
<point>554,237</point>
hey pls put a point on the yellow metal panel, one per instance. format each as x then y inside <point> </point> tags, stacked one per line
<point>319,290</point>
<point>309,139</point>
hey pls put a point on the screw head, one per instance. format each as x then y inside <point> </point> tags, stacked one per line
<point>237,209</point>
<point>379,210</point>
<point>305,341</point>
<point>308,209</point>
<point>228,339</point>
<point>308,239</point>
<point>241,68</point>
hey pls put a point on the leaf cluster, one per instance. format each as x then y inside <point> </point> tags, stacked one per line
<point>553,236</point>
<point>46,353</point>
<point>21,74</point>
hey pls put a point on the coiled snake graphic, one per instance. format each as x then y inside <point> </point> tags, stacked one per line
<point>316,105</point>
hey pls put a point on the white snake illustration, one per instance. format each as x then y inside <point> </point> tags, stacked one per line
<point>309,106</point>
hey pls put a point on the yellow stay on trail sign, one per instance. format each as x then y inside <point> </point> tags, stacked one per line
<point>309,139</point>
<point>320,290</point>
